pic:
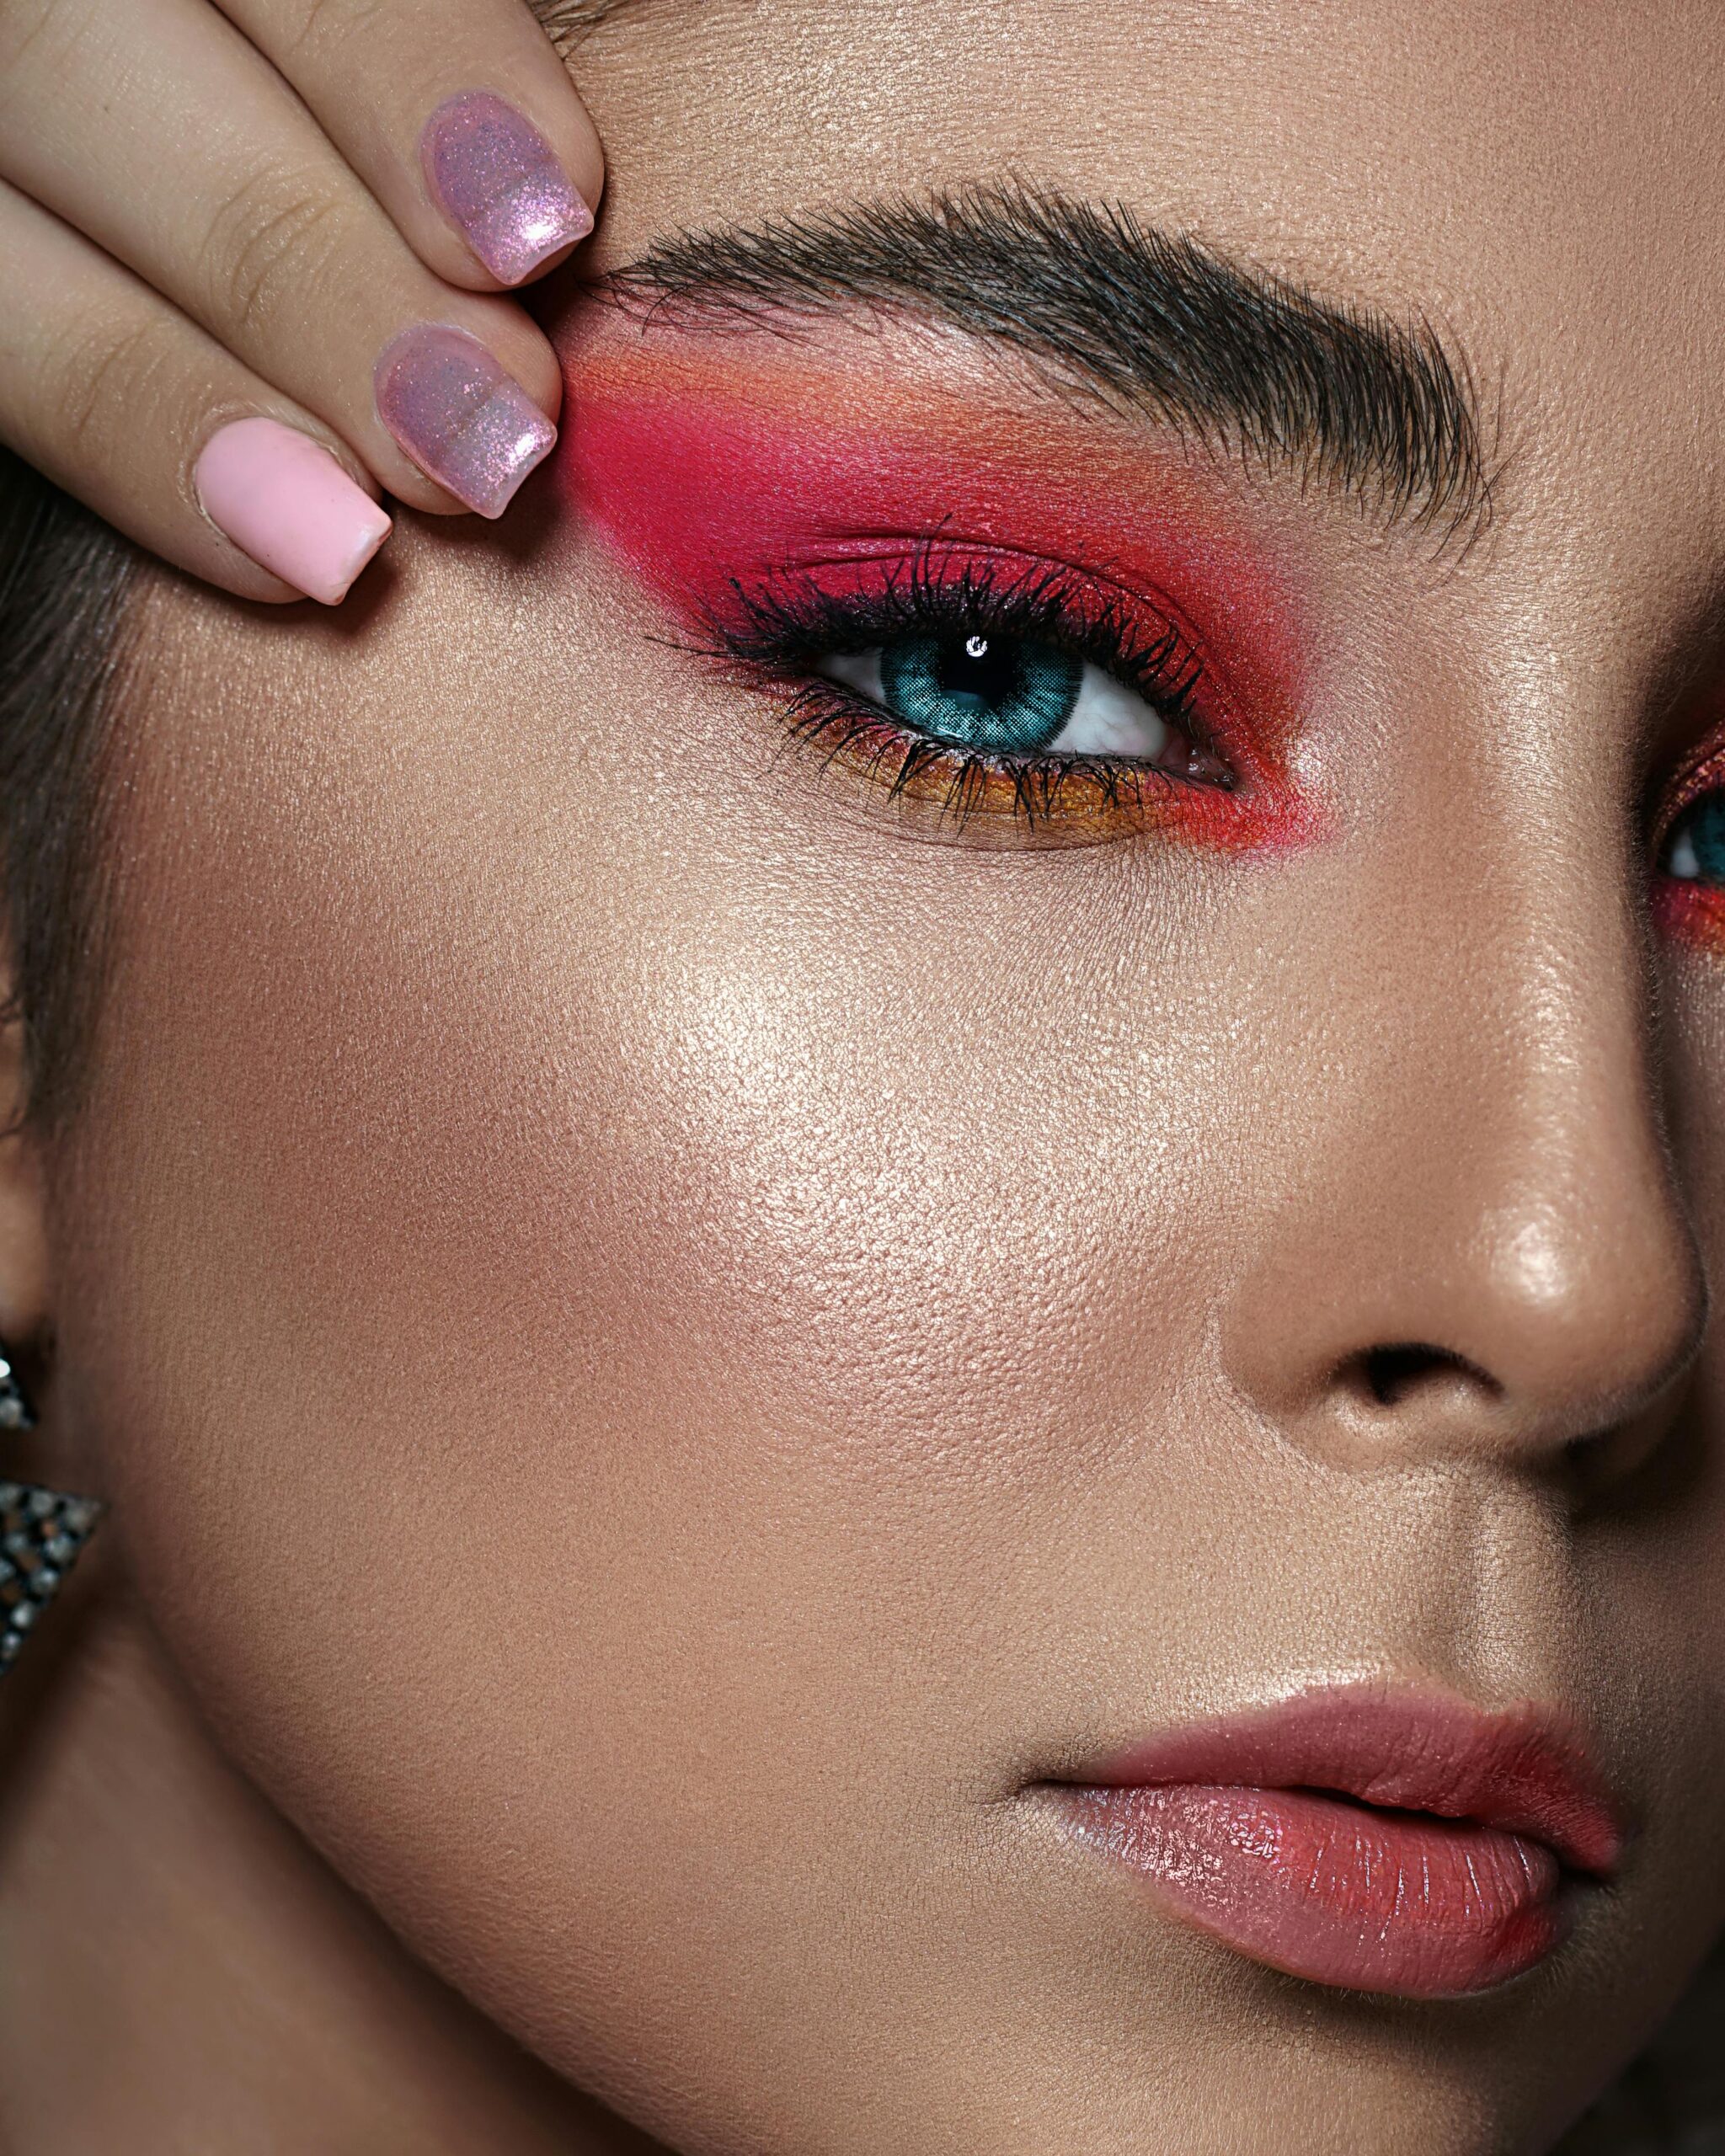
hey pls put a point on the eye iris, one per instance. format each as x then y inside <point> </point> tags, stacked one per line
<point>1697,851</point>
<point>998,694</point>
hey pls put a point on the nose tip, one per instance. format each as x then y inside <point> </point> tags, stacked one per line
<point>1597,1305</point>
<point>1468,1235</point>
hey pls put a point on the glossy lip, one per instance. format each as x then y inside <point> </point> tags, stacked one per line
<point>1393,1841</point>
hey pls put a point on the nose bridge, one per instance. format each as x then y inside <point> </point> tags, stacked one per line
<point>1489,1203</point>
<point>1586,1286</point>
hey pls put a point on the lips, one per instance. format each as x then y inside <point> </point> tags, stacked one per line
<point>1389,1842</point>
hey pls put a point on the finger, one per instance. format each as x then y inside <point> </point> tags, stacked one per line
<point>458,114</point>
<point>126,404</point>
<point>258,229</point>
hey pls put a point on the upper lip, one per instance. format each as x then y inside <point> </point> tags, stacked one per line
<point>1523,1769</point>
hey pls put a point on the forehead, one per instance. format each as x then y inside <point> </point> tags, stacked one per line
<point>1545,183</point>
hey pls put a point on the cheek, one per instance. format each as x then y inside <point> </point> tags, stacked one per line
<point>616,1281</point>
<point>501,1081</point>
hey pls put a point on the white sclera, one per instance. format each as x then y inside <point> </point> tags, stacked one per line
<point>1685,861</point>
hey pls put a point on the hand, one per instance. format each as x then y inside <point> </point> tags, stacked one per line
<point>251,253</point>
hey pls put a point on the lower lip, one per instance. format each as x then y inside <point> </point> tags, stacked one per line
<point>1339,1892</point>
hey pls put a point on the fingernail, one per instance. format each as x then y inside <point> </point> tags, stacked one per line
<point>499,182</point>
<point>464,421</point>
<point>283,500</point>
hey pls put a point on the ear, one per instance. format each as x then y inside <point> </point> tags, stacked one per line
<point>23,1239</point>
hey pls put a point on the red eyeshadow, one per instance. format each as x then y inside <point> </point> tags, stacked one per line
<point>704,476</point>
<point>1690,912</point>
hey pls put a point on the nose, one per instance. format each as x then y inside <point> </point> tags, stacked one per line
<point>1480,1252</point>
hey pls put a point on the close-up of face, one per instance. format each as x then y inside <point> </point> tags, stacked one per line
<point>888,1253</point>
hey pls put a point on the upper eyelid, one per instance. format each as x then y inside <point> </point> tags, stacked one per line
<point>1104,577</point>
<point>927,555</point>
<point>1698,773</point>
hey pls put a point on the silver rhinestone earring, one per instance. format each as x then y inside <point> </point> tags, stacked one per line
<point>41,1531</point>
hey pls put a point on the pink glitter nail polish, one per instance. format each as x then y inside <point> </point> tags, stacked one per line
<point>462,418</point>
<point>499,182</point>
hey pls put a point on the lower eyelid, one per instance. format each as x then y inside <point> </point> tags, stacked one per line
<point>938,791</point>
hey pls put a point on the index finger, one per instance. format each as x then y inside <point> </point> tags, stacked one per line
<point>458,114</point>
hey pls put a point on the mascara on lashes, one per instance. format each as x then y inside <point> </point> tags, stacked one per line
<point>708,497</point>
<point>981,640</point>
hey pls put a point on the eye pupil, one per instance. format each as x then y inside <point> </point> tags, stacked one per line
<point>1004,695</point>
<point>979,677</point>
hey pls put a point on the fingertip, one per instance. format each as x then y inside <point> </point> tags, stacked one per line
<point>502,184</point>
<point>459,416</point>
<point>534,363</point>
<point>585,154</point>
<point>283,500</point>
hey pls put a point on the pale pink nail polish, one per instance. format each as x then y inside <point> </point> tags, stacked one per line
<point>283,500</point>
<point>499,182</point>
<point>464,420</point>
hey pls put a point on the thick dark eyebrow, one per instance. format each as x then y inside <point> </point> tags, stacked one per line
<point>1153,321</point>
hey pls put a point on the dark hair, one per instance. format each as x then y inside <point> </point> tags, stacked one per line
<point>64,579</point>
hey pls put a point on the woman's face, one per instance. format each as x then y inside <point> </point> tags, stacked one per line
<point>720,1246</point>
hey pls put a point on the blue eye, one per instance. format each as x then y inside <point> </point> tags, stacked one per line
<point>1003,696</point>
<point>996,694</point>
<point>1696,852</point>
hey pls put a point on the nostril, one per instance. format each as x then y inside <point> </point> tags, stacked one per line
<point>1390,1375</point>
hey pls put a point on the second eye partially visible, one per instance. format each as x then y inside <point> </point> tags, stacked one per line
<point>1695,846</point>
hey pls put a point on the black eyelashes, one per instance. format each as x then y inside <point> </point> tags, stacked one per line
<point>785,622</point>
<point>774,631</point>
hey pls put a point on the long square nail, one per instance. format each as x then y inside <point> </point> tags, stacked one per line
<point>499,182</point>
<point>465,421</point>
<point>283,500</point>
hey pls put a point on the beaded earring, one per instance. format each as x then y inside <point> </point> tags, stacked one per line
<point>41,1531</point>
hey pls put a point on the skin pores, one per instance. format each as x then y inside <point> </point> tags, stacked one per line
<point>665,1351</point>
